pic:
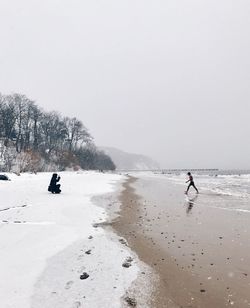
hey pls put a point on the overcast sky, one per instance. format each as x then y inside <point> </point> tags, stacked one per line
<point>169,79</point>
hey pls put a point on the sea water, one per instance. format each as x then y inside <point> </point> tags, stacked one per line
<point>227,189</point>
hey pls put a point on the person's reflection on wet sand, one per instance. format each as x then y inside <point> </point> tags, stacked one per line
<point>190,204</point>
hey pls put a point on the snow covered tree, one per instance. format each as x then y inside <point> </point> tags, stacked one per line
<point>30,135</point>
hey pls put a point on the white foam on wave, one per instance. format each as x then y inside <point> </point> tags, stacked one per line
<point>227,192</point>
<point>227,185</point>
<point>231,209</point>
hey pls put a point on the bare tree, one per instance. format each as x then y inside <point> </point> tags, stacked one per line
<point>77,134</point>
<point>29,135</point>
<point>8,118</point>
<point>54,132</point>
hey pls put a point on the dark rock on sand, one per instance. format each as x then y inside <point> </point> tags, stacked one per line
<point>127,262</point>
<point>84,276</point>
<point>131,301</point>
<point>122,241</point>
<point>4,177</point>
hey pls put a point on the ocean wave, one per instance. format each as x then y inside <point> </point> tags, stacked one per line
<point>227,185</point>
<point>231,209</point>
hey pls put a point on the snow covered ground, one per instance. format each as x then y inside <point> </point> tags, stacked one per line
<point>44,239</point>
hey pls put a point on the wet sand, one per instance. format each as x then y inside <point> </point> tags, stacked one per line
<point>200,252</point>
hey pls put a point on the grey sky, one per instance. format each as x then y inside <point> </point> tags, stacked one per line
<point>169,79</point>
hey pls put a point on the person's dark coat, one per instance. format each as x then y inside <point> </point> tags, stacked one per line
<point>53,186</point>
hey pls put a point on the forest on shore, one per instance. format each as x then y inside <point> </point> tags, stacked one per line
<point>34,140</point>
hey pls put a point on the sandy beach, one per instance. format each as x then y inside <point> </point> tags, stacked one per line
<point>168,250</point>
<point>199,251</point>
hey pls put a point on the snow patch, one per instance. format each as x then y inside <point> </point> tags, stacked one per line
<point>43,238</point>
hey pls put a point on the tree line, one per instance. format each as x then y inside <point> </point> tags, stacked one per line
<point>34,140</point>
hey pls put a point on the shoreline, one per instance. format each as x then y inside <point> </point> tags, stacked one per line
<point>126,226</point>
<point>200,253</point>
<point>111,202</point>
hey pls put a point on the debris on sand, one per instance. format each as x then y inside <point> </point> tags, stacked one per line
<point>84,276</point>
<point>4,177</point>
<point>130,301</point>
<point>127,262</point>
<point>122,241</point>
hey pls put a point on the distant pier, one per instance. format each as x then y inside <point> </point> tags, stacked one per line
<point>168,170</point>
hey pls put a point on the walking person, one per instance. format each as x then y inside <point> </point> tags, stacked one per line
<point>191,183</point>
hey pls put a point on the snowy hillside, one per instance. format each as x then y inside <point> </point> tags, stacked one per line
<point>124,160</point>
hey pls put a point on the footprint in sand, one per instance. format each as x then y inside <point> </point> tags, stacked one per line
<point>68,285</point>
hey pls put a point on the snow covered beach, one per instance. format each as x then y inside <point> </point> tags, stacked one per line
<point>48,241</point>
<point>184,252</point>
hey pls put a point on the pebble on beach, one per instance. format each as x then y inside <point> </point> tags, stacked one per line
<point>84,276</point>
